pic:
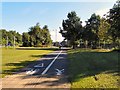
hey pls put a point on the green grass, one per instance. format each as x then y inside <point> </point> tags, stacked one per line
<point>86,64</point>
<point>14,59</point>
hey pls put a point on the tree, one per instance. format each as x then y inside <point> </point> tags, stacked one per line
<point>103,30</point>
<point>38,36</point>
<point>35,33</point>
<point>46,35</point>
<point>72,28</point>
<point>10,34</point>
<point>18,38</point>
<point>4,36</point>
<point>91,29</point>
<point>114,20</point>
<point>26,39</point>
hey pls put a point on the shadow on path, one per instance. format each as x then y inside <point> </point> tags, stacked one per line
<point>50,79</point>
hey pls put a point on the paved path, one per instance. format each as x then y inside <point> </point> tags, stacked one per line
<point>49,72</point>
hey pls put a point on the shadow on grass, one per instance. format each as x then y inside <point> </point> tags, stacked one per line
<point>86,63</point>
<point>17,67</point>
<point>34,48</point>
<point>22,65</point>
<point>39,56</point>
<point>52,80</point>
<point>46,56</point>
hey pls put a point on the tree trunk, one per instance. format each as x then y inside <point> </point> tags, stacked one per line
<point>74,46</point>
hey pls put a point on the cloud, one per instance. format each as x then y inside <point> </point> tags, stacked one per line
<point>54,38</point>
<point>101,12</point>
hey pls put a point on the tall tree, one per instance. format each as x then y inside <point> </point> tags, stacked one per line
<point>114,20</point>
<point>103,30</point>
<point>72,28</point>
<point>26,39</point>
<point>91,29</point>
<point>38,36</point>
<point>8,36</point>
<point>4,34</point>
<point>46,35</point>
<point>35,33</point>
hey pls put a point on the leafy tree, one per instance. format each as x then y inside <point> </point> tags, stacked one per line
<point>35,33</point>
<point>39,36</point>
<point>10,34</point>
<point>26,39</point>
<point>103,30</point>
<point>91,29</point>
<point>72,28</point>
<point>114,20</point>
<point>18,38</point>
<point>46,28</point>
<point>46,35</point>
<point>4,36</point>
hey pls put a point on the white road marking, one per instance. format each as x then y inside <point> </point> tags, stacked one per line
<point>32,71</point>
<point>59,72</point>
<point>39,65</point>
<point>51,64</point>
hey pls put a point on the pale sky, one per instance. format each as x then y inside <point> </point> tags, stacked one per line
<point>20,16</point>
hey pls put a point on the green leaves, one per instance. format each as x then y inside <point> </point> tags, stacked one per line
<point>91,29</point>
<point>71,28</point>
<point>10,36</point>
<point>37,36</point>
<point>114,20</point>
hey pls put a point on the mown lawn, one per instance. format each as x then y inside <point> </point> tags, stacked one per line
<point>93,68</point>
<point>14,59</point>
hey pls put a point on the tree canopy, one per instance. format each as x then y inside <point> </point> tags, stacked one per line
<point>37,36</point>
<point>114,20</point>
<point>97,29</point>
<point>72,28</point>
<point>10,37</point>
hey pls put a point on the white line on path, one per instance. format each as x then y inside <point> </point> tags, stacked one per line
<point>51,63</point>
<point>39,65</point>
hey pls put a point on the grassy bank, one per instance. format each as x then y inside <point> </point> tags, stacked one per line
<point>14,59</point>
<point>93,68</point>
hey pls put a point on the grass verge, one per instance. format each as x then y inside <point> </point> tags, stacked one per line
<point>93,68</point>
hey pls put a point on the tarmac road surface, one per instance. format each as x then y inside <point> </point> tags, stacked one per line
<point>48,72</point>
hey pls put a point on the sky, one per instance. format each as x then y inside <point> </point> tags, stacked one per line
<point>20,16</point>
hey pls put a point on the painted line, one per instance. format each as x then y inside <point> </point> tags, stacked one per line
<point>51,64</point>
<point>32,71</point>
<point>39,65</point>
<point>59,72</point>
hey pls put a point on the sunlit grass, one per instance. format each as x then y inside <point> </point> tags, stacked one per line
<point>21,57</point>
<point>87,64</point>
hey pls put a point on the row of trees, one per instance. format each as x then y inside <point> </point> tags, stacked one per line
<point>36,36</point>
<point>97,29</point>
<point>10,37</point>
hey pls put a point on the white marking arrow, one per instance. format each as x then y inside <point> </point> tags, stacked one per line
<point>39,65</point>
<point>59,72</point>
<point>32,71</point>
<point>51,63</point>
